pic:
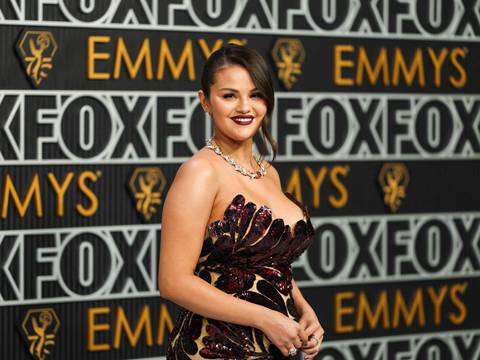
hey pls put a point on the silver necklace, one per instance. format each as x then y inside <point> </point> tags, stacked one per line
<point>251,174</point>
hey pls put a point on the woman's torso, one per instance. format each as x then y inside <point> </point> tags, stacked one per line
<point>254,233</point>
<point>262,191</point>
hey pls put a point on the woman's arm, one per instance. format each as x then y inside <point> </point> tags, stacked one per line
<point>184,219</point>
<point>301,304</point>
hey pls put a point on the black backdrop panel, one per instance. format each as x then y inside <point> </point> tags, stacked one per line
<point>378,132</point>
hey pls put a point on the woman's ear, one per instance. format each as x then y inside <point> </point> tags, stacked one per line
<point>203,101</point>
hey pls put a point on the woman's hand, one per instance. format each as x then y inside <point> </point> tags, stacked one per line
<point>314,331</point>
<point>284,332</point>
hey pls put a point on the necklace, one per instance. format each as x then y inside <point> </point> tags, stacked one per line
<point>251,174</point>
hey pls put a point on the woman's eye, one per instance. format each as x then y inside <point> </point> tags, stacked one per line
<point>256,95</point>
<point>227,96</point>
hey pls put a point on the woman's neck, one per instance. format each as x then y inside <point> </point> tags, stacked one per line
<point>241,151</point>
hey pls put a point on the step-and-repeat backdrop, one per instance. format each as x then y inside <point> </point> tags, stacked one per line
<point>378,124</point>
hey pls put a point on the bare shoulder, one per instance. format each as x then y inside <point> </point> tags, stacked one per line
<point>185,214</point>
<point>189,199</point>
<point>196,175</point>
<point>198,165</point>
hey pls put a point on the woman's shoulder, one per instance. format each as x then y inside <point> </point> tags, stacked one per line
<point>195,179</point>
<point>199,165</point>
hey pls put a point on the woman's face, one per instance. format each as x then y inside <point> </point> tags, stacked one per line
<point>235,104</point>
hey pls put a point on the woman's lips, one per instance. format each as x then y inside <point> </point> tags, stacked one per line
<point>243,120</point>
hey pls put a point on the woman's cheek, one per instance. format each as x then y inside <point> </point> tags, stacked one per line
<point>222,107</point>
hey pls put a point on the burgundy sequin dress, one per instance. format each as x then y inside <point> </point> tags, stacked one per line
<point>248,255</point>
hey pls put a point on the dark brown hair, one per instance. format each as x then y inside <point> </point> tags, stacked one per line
<point>256,66</point>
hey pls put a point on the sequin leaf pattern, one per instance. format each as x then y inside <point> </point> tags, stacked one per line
<point>246,254</point>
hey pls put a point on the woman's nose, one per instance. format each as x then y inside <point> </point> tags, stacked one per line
<point>243,105</point>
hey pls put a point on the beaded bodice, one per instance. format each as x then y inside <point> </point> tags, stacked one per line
<point>248,238</point>
<point>246,254</point>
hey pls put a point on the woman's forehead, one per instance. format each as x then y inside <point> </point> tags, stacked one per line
<point>234,77</point>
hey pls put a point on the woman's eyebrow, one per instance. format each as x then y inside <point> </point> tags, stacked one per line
<point>234,90</point>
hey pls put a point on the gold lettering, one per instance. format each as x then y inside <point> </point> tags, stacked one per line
<point>316,182</point>
<point>240,42</point>
<point>164,318</point>
<point>459,318</point>
<point>133,337</point>
<point>461,81</point>
<point>206,50</point>
<point>437,300</point>
<point>364,310</point>
<point>88,193</point>
<point>364,66</point>
<point>60,190</point>
<point>342,190</point>
<point>143,56</point>
<point>176,69</point>
<point>437,64</point>
<point>341,310</point>
<point>33,190</point>
<point>294,184</point>
<point>416,67</point>
<point>94,327</point>
<point>416,307</point>
<point>92,56</point>
<point>341,63</point>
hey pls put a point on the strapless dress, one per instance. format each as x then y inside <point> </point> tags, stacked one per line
<point>246,254</point>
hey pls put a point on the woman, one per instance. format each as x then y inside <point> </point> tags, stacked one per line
<point>227,241</point>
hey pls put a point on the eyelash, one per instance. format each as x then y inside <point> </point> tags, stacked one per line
<point>226,96</point>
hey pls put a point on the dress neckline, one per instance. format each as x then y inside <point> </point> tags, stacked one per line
<point>290,196</point>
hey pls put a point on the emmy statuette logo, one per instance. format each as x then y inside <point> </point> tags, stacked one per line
<point>289,56</point>
<point>40,327</point>
<point>146,185</point>
<point>394,179</point>
<point>36,50</point>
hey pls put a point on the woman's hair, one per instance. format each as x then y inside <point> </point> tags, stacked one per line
<point>256,66</point>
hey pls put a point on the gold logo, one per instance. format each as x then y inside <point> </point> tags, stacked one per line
<point>36,49</point>
<point>147,184</point>
<point>394,179</point>
<point>40,327</point>
<point>288,55</point>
